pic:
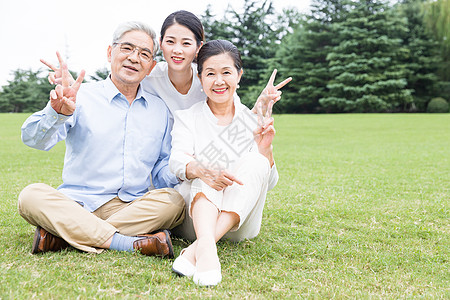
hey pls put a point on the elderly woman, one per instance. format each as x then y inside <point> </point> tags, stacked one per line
<point>223,154</point>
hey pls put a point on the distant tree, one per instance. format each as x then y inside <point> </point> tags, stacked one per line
<point>26,92</point>
<point>437,20</point>
<point>366,66</point>
<point>423,57</point>
<point>100,74</point>
<point>216,28</point>
<point>303,54</point>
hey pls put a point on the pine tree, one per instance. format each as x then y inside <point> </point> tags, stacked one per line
<point>437,20</point>
<point>302,55</point>
<point>366,65</point>
<point>216,29</point>
<point>26,92</point>
<point>423,57</point>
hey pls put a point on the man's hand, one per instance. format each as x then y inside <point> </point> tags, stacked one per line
<point>55,77</point>
<point>63,97</point>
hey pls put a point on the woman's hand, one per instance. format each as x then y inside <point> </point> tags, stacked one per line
<point>56,76</point>
<point>265,132</point>
<point>217,179</point>
<point>270,93</point>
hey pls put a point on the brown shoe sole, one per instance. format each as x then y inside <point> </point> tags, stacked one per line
<point>36,240</point>
<point>169,243</point>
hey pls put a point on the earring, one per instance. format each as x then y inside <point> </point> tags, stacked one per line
<point>201,90</point>
<point>238,86</point>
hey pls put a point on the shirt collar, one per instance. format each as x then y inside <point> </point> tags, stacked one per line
<point>238,107</point>
<point>112,91</point>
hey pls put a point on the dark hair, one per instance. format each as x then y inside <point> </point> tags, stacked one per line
<point>186,19</point>
<point>216,47</point>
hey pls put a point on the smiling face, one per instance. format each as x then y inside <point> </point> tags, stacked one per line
<point>128,70</point>
<point>179,47</point>
<point>220,78</point>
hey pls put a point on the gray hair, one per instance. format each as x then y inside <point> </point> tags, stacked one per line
<point>139,26</point>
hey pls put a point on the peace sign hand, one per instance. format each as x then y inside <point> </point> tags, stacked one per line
<point>55,77</point>
<point>265,132</point>
<point>270,93</point>
<point>63,97</point>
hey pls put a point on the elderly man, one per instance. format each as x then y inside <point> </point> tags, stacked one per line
<point>117,144</point>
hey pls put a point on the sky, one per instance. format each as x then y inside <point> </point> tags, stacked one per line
<point>82,30</point>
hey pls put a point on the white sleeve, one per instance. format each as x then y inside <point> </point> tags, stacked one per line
<point>182,143</point>
<point>273,178</point>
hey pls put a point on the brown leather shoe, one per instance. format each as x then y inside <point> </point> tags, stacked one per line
<point>158,244</point>
<point>44,241</point>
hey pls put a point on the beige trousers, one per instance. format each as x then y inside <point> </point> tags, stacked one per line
<point>40,204</point>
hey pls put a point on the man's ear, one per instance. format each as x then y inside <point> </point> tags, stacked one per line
<point>109,51</point>
<point>151,68</point>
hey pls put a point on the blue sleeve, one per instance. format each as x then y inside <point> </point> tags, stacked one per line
<point>161,175</point>
<point>45,128</point>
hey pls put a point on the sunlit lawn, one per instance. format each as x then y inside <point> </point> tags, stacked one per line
<point>361,210</point>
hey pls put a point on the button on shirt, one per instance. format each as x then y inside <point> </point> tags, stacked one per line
<point>112,148</point>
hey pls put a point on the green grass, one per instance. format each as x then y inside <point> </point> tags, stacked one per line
<point>361,211</point>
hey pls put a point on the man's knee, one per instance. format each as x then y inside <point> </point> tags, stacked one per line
<point>174,197</point>
<point>177,208</point>
<point>168,199</point>
<point>29,196</point>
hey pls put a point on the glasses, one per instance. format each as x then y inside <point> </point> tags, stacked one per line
<point>128,49</point>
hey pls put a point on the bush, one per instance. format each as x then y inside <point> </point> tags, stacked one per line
<point>437,105</point>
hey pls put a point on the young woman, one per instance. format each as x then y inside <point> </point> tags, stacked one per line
<point>174,80</point>
<point>223,154</point>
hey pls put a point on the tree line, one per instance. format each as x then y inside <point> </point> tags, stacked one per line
<point>343,55</point>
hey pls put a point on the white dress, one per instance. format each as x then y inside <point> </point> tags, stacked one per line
<point>232,147</point>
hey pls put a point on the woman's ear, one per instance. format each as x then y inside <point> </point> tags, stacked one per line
<point>198,48</point>
<point>240,75</point>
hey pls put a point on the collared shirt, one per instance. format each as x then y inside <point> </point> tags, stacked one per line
<point>112,148</point>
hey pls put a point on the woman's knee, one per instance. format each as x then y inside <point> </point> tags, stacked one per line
<point>255,161</point>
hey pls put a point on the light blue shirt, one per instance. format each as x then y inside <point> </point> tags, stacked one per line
<point>112,148</point>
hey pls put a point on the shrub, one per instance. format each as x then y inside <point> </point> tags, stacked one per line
<point>437,105</point>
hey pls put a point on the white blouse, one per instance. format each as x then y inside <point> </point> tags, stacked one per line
<point>159,84</point>
<point>196,134</point>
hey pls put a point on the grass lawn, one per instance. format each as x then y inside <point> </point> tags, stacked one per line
<point>361,211</point>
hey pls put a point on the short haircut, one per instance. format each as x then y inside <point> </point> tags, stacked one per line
<point>138,26</point>
<point>217,47</point>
